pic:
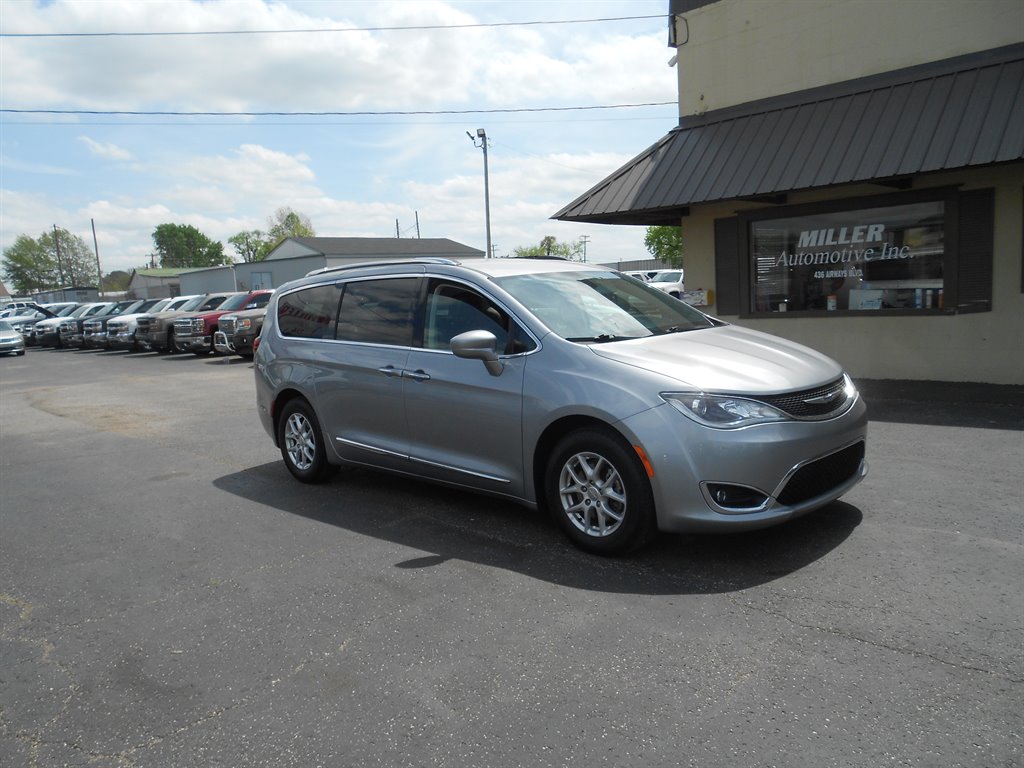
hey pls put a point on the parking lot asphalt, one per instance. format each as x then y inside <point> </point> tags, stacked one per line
<point>169,596</point>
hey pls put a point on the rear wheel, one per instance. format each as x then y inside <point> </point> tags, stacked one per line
<point>598,491</point>
<point>302,445</point>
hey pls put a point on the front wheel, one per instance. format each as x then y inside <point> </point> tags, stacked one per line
<point>598,491</point>
<point>302,445</point>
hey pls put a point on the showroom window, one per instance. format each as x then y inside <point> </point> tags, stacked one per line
<point>912,253</point>
<point>862,259</point>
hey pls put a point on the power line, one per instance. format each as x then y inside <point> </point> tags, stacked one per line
<point>293,124</point>
<point>397,113</point>
<point>327,29</point>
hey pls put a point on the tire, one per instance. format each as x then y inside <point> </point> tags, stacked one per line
<point>302,445</point>
<point>598,492</point>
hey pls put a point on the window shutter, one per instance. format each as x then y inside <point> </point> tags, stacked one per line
<point>974,250</point>
<point>727,266</point>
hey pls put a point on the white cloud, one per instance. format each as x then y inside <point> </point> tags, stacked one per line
<point>350,176</point>
<point>109,151</point>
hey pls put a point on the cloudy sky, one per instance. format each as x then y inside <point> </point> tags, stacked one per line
<point>463,68</point>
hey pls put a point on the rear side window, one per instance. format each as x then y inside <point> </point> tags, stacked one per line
<point>378,311</point>
<point>311,313</point>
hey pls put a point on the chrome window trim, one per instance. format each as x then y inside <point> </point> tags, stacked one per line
<point>425,275</point>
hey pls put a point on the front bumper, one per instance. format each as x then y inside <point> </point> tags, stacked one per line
<point>223,344</point>
<point>193,343</point>
<point>154,340</point>
<point>48,339</point>
<point>13,346</point>
<point>96,340</point>
<point>121,341</point>
<point>73,339</point>
<point>784,462</point>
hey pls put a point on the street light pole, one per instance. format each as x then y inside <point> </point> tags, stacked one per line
<point>482,135</point>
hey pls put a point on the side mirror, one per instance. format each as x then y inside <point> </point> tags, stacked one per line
<point>479,345</point>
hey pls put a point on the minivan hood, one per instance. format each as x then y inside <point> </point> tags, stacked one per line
<point>726,359</point>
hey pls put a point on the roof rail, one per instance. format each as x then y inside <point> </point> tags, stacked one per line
<point>360,264</point>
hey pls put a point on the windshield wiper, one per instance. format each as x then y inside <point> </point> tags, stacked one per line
<point>602,338</point>
<point>674,329</point>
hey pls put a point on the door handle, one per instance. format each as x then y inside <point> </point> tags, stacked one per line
<point>419,375</point>
<point>390,371</point>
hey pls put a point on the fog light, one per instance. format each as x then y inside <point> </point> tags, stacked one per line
<point>736,496</point>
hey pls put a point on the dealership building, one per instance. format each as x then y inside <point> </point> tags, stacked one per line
<point>848,174</point>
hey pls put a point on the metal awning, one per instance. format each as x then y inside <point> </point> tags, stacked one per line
<point>957,113</point>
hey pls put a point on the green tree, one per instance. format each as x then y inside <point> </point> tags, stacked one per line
<point>116,281</point>
<point>182,245</point>
<point>666,244</point>
<point>28,267</point>
<point>550,246</point>
<point>250,245</point>
<point>76,263</point>
<point>283,224</point>
<point>56,259</point>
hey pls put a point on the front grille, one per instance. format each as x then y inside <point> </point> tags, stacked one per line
<point>823,475</point>
<point>227,325</point>
<point>143,324</point>
<point>832,400</point>
<point>188,325</point>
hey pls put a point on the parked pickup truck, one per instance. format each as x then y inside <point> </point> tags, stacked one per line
<point>94,330</point>
<point>72,332</point>
<point>238,330</point>
<point>155,331</point>
<point>24,322</point>
<point>121,329</point>
<point>194,332</point>
<point>69,330</point>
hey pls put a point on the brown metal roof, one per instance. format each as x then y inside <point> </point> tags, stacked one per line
<point>957,113</point>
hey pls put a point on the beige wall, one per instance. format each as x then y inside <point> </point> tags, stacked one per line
<point>742,50</point>
<point>983,347</point>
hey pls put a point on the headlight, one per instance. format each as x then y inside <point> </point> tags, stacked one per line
<point>244,322</point>
<point>722,411</point>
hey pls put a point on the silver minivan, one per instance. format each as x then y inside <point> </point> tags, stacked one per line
<point>568,387</point>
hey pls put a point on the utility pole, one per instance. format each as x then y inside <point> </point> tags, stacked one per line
<point>584,239</point>
<point>60,264</point>
<point>398,232</point>
<point>417,225</point>
<point>481,134</point>
<point>96,247</point>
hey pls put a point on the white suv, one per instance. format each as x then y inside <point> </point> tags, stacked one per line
<point>670,281</point>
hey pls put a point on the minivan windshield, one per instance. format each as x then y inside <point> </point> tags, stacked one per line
<point>601,306</point>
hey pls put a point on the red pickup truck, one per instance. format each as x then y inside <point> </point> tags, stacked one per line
<point>194,332</point>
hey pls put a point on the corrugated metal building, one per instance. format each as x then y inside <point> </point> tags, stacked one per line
<point>297,256</point>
